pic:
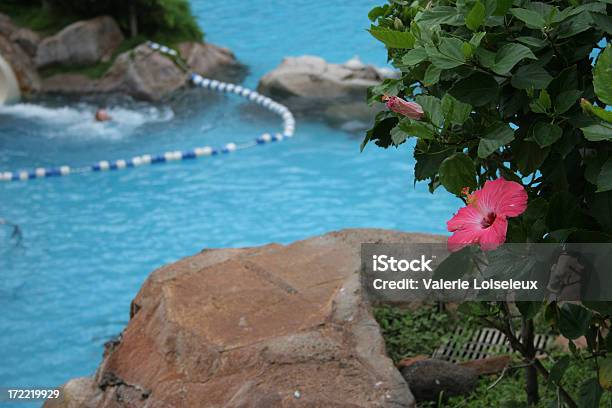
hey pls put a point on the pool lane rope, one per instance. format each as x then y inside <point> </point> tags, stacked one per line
<point>146,159</point>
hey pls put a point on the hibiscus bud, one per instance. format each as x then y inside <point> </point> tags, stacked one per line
<point>411,110</point>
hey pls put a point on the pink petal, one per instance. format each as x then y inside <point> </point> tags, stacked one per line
<point>466,217</point>
<point>502,197</point>
<point>495,235</point>
<point>411,110</point>
<point>463,238</point>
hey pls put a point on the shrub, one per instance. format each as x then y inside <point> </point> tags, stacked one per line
<point>510,89</point>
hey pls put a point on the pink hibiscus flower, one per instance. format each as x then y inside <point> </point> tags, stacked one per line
<point>411,110</point>
<point>484,220</point>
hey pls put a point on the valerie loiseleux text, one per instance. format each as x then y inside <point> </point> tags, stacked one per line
<point>385,263</point>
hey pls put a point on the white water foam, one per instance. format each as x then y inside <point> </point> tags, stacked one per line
<point>78,121</point>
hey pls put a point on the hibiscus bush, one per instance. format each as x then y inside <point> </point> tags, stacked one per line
<point>508,99</point>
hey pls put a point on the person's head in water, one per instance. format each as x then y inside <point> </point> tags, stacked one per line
<point>102,115</point>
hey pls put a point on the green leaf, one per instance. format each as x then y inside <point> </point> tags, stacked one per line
<point>377,12</point>
<point>529,156</point>
<point>502,7</point>
<point>428,157</point>
<point>602,76</point>
<point>454,111</point>
<point>432,75</point>
<point>545,133</point>
<point>564,212</point>
<point>605,373</point>
<point>393,38</point>
<point>600,208</point>
<point>531,76</point>
<point>419,129</point>
<point>494,138</point>
<point>531,18</point>
<point>476,16</point>
<point>467,49</point>
<point>542,104</point>
<point>528,309</point>
<point>432,108</point>
<point>509,55</point>
<point>532,42</point>
<point>414,56</point>
<point>476,39</point>
<point>565,100</point>
<point>440,15</point>
<point>456,265</point>
<point>573,320</point>
<point>398,136</point>
<point>448,54</point>
<point>603,22</point>
<point>457,172</point>
<point>598,132</point>
<point>557,370</point>
<point>589,394</point>
<point>478,89</point>
<point>604,180</point>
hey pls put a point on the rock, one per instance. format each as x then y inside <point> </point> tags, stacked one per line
<point>141,73</point>
<point>272,326</point>
<point>310,84</point>
<point>489,365</point>
<point>144,74</point>
<point>312,77</point>
<point>351,116</point>
<point>81,43</point>
<point>411,360</point>
<point>428,378</point>
<point>69,84</point>
<point>6,25</point>
<point>75,394</point>
<point>27,39</point>
<point>22,65</point>
<point>211,61</point>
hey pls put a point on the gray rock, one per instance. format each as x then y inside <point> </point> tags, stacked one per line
<point>211,61</point>
<point>21,63</point>
<point>144,74</point>
<point>27,39</point>
<point>309,85</point>
<point>82,43</point>
<point>313,78</point>
<point>428,378</point>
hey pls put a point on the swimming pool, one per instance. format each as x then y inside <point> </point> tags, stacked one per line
<point>91,240</point>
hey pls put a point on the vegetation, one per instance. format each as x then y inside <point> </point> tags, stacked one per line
<point>169,21</point>
<point>509,89</point>
<point>408,333</point>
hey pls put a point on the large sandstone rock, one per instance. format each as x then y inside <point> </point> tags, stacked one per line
<point>27,39</point>
<point>211,61</point>
<point>310,85</point>
<point>273,326</point>
<point>81,43</point>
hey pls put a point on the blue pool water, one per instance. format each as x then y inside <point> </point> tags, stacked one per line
<point>91,240</point>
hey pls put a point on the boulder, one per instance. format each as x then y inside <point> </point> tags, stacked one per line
<point>141,73</point>
<point>211,61</point>
<point>7,27</point>
<point>27,39</point>
<point>81,43</point>
<point>21,63</point>
<point>428,378</point>
<point>310,85</point>
<point>144,74</point>
<point>271,326</point>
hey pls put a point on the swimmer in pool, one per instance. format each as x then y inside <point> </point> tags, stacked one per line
<point>102,115</point>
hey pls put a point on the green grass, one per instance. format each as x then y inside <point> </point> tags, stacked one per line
<point>408,333</point>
